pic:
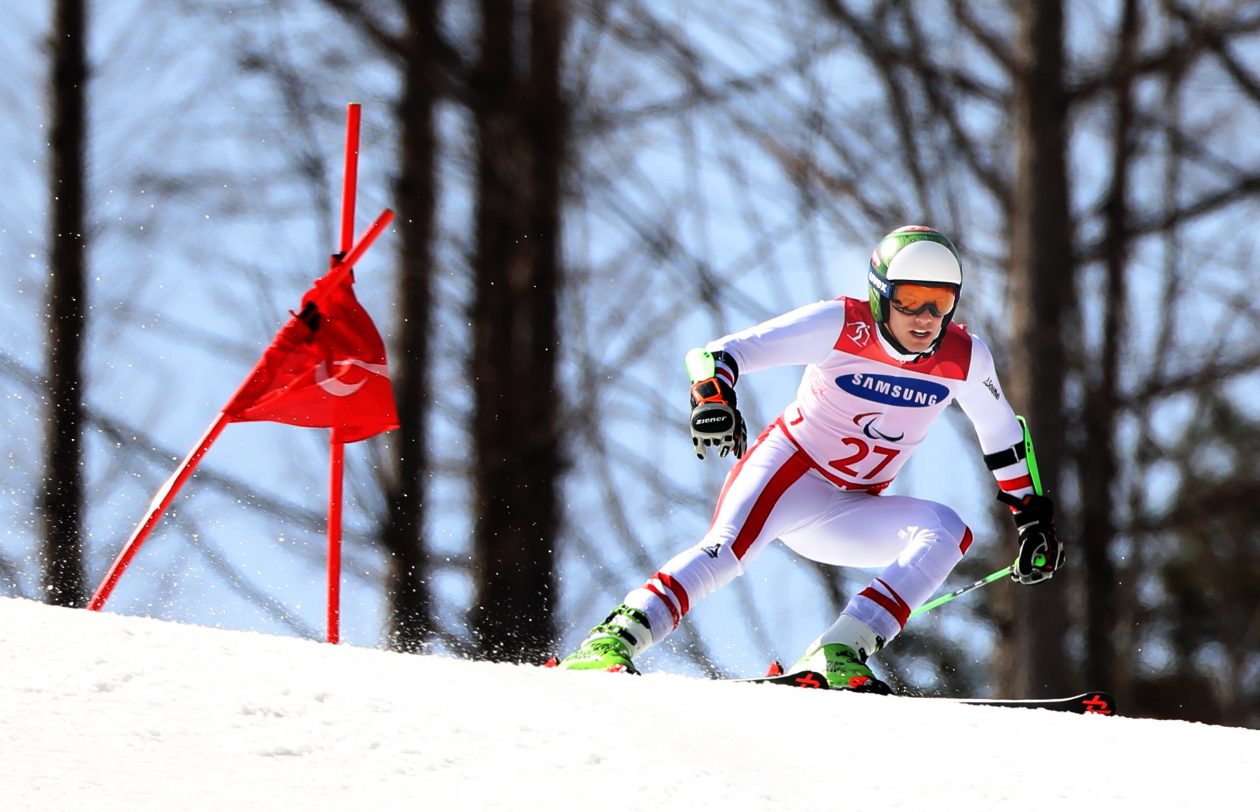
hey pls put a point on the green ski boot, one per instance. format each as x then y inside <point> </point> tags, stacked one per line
<point>843,668</point>
<point>611,645</point>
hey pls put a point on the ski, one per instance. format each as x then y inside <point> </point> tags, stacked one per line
<point>1097,702</point>
<point>801,679</point>
<point>1092,702</point>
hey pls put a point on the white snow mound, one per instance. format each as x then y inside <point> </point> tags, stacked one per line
<point>104,712</point>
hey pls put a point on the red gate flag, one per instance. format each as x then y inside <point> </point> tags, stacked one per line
<point>325,369</point>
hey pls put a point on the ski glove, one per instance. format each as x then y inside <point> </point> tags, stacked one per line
<point>714,419</point>
<point>1040,551</point>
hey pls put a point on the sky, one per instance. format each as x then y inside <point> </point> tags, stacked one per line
<point>108,712</point>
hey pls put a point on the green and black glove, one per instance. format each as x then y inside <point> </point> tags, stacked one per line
<point>1040,551</point>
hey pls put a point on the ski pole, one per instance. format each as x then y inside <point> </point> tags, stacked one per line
<point>988,579</point>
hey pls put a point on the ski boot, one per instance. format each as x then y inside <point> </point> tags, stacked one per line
<point>842,667</point>
<point>611,645</point>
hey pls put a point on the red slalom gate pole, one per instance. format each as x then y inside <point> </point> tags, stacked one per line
<point>337,455</point>
<point>161,500</point>
<point>337,458</point>
<point>350,181</point>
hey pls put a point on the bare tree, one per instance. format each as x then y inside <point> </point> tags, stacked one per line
<point>419,54</point>
<point>1041,273</point>
<point>1098,464</point>
<point>518,108</point>
<point>62,502</point>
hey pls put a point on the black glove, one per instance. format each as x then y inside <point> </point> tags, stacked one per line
<point>1040,552</point>
<point>714,419</point>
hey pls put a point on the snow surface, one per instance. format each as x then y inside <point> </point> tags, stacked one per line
<point>102,711</point>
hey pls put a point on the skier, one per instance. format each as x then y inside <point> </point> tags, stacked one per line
<point>877,374</point>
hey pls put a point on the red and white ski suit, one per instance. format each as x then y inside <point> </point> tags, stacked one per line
<point>814,477</point>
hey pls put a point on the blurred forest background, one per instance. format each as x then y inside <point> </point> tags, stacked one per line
<point>585,190</point>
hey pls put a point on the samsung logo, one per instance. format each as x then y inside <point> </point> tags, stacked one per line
<point>893,391</point>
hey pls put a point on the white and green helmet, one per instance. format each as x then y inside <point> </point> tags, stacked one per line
<point>911,254</point>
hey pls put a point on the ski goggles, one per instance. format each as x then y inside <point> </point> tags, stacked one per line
<point>914,299</point>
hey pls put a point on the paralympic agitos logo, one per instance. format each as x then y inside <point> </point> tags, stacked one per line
<point>891,390</point>
<point>867,422</point>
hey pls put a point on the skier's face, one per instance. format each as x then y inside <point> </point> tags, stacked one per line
<point>916,333</point>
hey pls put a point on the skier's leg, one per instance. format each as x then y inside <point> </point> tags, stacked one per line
<point>934,539</point>
<point>766,494</point>
<point>760,500</point>
<point>916,542</point>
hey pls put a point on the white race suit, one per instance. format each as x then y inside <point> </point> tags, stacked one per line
<point>814,477</point>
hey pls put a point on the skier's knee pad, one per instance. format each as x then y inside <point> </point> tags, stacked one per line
<point>937,542</point>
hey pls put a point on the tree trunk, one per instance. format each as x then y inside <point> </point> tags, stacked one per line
<point>520,126</point>
<point>62,492</point>
<point>1042,278</point>
<point>411,621</point>
<point>1098,464</point>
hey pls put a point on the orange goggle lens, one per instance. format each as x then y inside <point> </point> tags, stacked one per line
<point>914,299</point>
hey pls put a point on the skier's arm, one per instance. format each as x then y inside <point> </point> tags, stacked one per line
<point>999,431</point>
<point>799,337</point>
<point>802,336</point>
<point>1005,445</point>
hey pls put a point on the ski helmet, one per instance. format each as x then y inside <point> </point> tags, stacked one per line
<point>916,254</point>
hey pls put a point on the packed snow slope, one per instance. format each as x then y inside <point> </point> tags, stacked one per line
<point>102,712</point>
